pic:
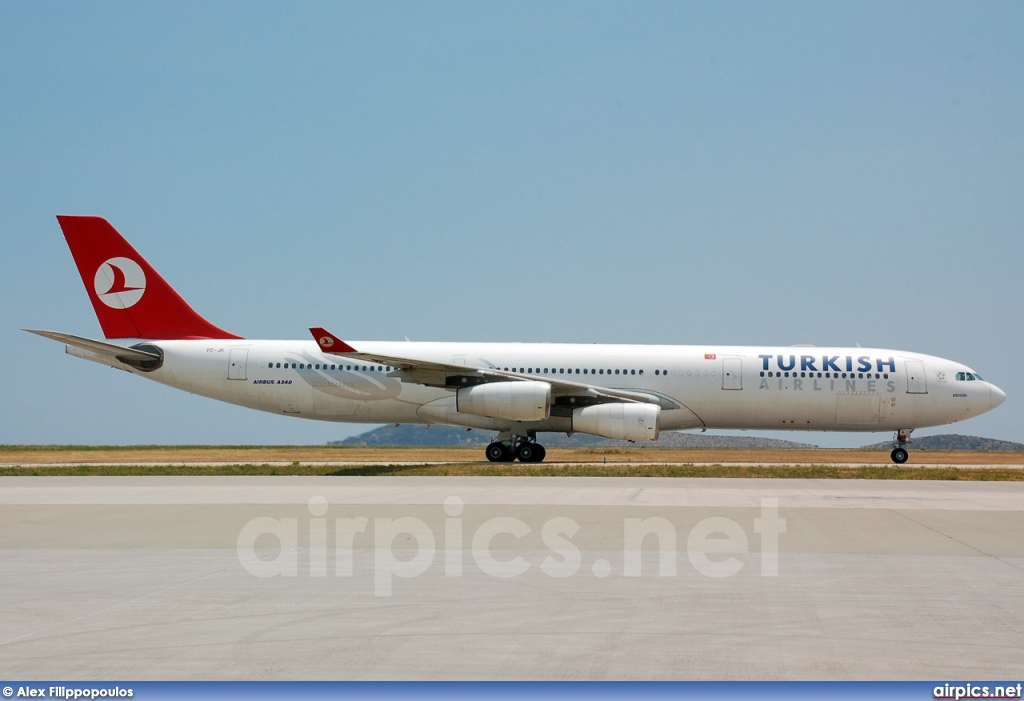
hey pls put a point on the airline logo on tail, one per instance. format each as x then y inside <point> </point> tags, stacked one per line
<point>119,283</point>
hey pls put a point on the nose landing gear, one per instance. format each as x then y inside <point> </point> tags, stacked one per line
<point>509,447</point>
<point>899,454</point>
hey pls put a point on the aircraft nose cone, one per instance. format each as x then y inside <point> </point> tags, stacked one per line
<point>998,396</point>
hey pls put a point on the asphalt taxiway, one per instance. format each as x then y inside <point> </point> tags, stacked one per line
<point>509,578</point>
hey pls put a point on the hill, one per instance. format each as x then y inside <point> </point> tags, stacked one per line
<point>433,436</point>
<point>419,436</point>
<point>953,441</point>
<point>448,436</point>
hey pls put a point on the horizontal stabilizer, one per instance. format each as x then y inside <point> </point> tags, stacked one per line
<point>100,348</point>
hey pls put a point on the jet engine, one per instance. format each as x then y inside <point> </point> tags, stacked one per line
<point>516,401</point>
<point>627,422</point>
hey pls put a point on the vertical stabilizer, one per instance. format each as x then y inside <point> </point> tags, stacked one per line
<point>130,298</point>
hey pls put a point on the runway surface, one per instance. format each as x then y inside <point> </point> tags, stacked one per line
<point>509,578</point>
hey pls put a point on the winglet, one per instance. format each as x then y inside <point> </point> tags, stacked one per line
<point>329,343</point>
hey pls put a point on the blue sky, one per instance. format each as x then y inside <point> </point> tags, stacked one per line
<point>736,173</point>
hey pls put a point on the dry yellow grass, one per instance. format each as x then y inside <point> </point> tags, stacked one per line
<point>289,454</point>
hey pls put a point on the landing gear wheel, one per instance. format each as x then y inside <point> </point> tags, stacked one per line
<point>899,455</point>
<point>499,452</point>
<point>530,452</point>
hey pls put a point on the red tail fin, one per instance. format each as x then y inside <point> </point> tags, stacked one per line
<point>130,298</point>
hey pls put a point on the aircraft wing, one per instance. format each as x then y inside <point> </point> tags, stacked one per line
<point>452,376</point>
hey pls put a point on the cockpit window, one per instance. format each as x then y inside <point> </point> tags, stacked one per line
<point>968,376</point>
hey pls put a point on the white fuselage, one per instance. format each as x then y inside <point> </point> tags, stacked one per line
<point>724,387</point>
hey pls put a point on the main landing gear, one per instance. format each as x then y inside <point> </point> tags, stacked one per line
<point>509,447</point>
<point>899,454</point>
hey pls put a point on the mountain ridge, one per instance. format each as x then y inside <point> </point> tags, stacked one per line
<point>449,436</point>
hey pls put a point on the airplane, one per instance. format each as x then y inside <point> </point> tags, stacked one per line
<point>626,392</point>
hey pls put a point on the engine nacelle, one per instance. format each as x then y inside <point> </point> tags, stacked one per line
<point>626,422</point>
<point>516,401</point>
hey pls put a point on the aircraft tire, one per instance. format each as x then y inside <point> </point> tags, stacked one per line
<point>899,455</point>
<point>530,452</point>
<point>499,452</point>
